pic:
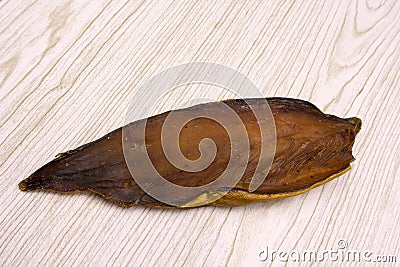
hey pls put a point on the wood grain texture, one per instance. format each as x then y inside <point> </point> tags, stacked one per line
<point>68,71</point>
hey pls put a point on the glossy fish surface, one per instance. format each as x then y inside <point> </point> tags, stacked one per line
<point>311,148</point>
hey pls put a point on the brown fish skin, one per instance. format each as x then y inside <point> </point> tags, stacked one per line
<point>311,149</point>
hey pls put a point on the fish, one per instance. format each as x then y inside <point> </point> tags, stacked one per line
<point>310,149</point>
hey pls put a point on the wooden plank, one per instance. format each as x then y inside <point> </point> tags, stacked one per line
<point>69,69</point>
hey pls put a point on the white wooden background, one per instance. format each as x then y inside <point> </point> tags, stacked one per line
<point>68,70</point>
